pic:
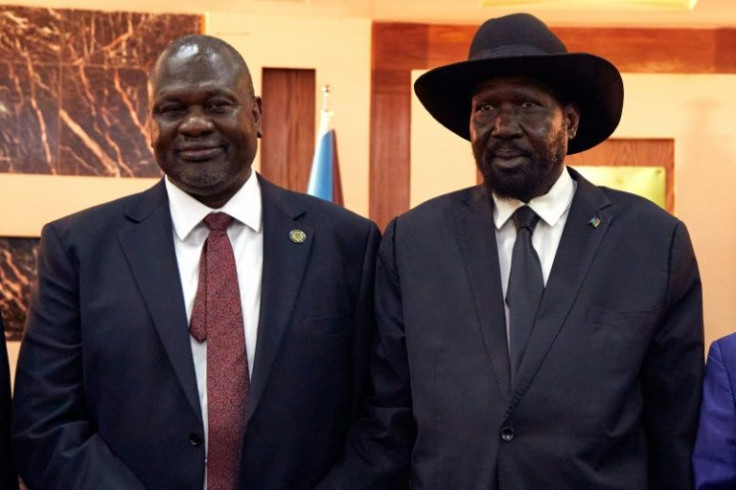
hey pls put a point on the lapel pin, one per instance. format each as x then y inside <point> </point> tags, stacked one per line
<point>297,236</point>
<point>594,221</point>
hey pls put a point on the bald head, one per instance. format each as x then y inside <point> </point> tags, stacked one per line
<point>205,119</point>
<point>198,48</point>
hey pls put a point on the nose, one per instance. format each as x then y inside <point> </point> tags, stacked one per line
<point>196,123</point>
<point>506,122</point>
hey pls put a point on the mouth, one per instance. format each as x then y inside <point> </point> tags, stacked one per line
<point>508,159</point>
<point>199,153</point>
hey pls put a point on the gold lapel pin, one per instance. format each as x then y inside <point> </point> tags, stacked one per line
<point>297,236</point>
<point>594,221</point>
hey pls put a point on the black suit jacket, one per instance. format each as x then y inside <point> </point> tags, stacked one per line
<point>106,395</point>
<point>608,392</point>
<point>8,480</point>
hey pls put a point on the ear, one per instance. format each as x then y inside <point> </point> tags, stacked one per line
<point>257,113</point>
<point>571,112</point>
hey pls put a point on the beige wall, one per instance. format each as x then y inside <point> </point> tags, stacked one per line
<point>698,112</point>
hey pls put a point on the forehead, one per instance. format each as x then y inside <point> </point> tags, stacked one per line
<point>192,67</point>
<point>515,84</point>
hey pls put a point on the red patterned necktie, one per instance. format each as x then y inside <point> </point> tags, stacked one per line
<point>217,317</point>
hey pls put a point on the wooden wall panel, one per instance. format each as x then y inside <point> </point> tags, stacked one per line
<point>399,48</point>
<point>288,139</point>
<point>390,115</point>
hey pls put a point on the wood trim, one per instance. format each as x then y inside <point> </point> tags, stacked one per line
<point>288,126</point>
<point>399,48</point>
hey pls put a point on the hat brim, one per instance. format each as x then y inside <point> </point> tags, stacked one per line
<point>593,83</point>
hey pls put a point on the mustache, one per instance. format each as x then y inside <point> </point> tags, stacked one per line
<point>507,147</point>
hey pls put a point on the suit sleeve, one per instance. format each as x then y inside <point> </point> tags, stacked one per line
<point>53,434</point>
<point>365,322</point>
<point>672,373</point>
<point>379,445</point>
<point>714,457</point>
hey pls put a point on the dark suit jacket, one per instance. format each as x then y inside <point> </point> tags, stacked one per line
<point>714,458</point>
<point>8,480</point>
<point>106,395</point>
<point>609,388</point>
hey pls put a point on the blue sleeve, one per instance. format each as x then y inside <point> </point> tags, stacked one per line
<point>714,457</point>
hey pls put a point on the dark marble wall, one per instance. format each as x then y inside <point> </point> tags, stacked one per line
<point>73,102</point>
<point>17,273</point>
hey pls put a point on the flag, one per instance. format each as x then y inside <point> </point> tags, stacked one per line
<point>324,178</point>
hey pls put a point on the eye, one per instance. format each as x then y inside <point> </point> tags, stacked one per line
<point>529,104</point>
<point>484,108</point>
<point>219,106</point>
<point>171,111</point>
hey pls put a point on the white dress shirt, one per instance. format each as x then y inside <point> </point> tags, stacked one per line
<point>552,208</point>
<point>246,237</point>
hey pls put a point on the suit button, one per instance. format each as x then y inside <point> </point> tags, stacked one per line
<point>196,439</point>
<point>507,434</point>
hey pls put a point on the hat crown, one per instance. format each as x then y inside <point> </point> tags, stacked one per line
<point>520,45</point>
<point>514,35</point>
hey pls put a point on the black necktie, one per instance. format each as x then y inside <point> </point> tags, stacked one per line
<point>525,288</point>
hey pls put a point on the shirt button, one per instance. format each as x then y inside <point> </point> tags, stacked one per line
<point>195,439</point>
<point>507,434</point>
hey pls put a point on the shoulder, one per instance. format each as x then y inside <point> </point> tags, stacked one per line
<point>110,216</point>
<point>626,202</point>
<point>444,206</point>
<point>724,350</point>
<point>316,212</point>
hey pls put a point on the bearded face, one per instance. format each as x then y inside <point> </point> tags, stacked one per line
<point>519,133</point>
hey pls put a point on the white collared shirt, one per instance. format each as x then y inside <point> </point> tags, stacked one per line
<point>552,208</point>
<point>246,237</point>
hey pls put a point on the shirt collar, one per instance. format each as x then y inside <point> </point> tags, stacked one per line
<point>550,206</point>
<point>186,212</point>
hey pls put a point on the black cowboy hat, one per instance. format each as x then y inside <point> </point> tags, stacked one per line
<point>522,45</point>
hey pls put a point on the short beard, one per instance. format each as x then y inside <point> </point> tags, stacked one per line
<point>525,183</point>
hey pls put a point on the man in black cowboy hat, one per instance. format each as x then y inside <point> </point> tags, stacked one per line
<point>564,355</point>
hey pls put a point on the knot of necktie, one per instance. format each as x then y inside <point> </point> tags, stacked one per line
<point>525,217</point>
<point>219,221</point>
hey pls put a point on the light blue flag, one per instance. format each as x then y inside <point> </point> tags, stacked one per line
<point>322,176</point>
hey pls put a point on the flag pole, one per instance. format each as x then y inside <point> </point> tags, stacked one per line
<point>326,89</point>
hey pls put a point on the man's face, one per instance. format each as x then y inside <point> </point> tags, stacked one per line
<point>205,122</point>
<point>519,133</point>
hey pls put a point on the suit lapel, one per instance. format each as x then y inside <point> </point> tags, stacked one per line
<point>148,246</point>
<point>284,264</point>
<point>476,237</point>
<point>575,254</point>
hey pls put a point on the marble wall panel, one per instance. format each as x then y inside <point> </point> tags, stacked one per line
<point>30,34</point>
<point>29,117</point>
<point>73,89</point>
<point>17,273</point>
<point>103,118</point>
<point>121,38</point>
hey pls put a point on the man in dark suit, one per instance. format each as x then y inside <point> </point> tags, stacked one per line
<point>566,355</point>
<point>714,457</point>
<point>112,390</point>
<point>8,480</point>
